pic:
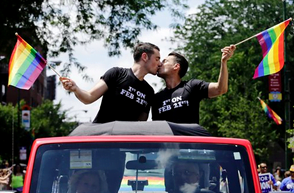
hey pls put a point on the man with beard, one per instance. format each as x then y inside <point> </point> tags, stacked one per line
<point>263,170</point>
<point>186,177</point>
<point>179,101</point>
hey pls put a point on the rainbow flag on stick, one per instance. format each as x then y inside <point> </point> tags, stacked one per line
<point>272,44</point>
<point>25,65</point>
<point>270,113</point>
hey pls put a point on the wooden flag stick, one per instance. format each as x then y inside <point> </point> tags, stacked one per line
<point>54,70</point>
<point>246,39</point>
<point>257,34</point>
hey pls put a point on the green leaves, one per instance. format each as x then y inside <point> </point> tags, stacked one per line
<point>238,113</point>
<point>58,26</point>
<point>48,120</point>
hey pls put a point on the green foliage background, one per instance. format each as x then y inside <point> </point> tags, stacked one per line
<point>47,120</point>
<point>238,113</point>
<point>59,26</point>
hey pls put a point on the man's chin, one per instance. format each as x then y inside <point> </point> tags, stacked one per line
<point>189,188</point>
<point>159,75</point>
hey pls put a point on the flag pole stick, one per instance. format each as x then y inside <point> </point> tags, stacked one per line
<point>256,35</point>
<point>246,39</point>
<point>54,70</point>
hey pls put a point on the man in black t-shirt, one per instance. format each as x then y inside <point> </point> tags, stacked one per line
<point>126,95</point>
<point>179,101</point>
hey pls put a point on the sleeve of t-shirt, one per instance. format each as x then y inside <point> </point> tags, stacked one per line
<point>200,87</point>
<point>273,179</point>
<point>283,185</point>
<point>110,76</point>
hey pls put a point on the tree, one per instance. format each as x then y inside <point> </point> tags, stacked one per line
<point>217,24</point>
<point>48,120</point>
<point>61,25</point>
<point>8,119</point>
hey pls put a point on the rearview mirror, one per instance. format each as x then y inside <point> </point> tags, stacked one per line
<point>147,165</point>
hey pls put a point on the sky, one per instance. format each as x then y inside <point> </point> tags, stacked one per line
<point>95,57</point>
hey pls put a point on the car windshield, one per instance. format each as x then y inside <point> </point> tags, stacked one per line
<point>141,166</point>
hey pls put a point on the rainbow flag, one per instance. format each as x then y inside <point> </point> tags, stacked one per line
<point>154,184</point>
<point>33,134</point>
<point>272,44</point>
<point>270,113</point>
<point>25,65</point>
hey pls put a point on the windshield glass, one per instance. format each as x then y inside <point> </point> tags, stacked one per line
<point>145,167</point>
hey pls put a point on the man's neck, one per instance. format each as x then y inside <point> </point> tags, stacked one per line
<point>172,82</point>
<point>139,71</point>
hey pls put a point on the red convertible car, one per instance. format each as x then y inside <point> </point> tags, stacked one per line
<point>154,156</point>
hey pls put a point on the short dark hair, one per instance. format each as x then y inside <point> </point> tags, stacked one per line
<point>144,47</point>
<point>182,61</point>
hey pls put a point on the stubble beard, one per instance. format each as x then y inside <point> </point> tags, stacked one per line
<point>189,188</point>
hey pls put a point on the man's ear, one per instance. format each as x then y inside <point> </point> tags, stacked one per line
<point>177,66</point>
<point>144,57</point>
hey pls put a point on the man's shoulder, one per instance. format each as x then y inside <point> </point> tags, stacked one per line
<point>119,69</point>
<point>183,83</point>
<point>117,72</point>
<point>288,179</point>
<point>195,81</point>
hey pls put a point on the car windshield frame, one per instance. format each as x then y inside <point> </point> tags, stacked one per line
<point>129,144</point>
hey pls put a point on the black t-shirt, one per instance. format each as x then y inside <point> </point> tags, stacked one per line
<point>126,98</point>
<point>180,104</point>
